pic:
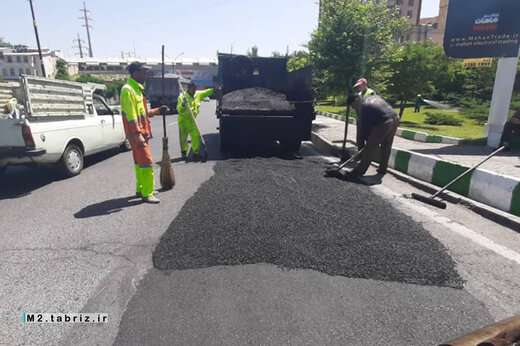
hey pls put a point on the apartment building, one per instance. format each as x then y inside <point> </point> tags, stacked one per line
<point>18,60</point>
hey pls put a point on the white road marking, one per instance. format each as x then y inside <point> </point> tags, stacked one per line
<point>438,218</point>
<point>454,226</point>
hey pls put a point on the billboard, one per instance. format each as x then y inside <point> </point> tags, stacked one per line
<point>482,28</point>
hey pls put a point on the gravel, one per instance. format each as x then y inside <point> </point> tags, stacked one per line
<point>286,213</point>
<point>255,99</point>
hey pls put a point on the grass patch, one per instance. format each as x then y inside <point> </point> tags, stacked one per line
<point>439,118</point>
<point>470,127</point>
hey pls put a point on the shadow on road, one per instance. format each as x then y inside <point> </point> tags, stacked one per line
<point>107,207</point>
<point>20,181</point>
<point>465,150</point>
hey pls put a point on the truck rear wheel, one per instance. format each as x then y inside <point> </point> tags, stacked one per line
<point>291,145</point>
<point>72,160</point>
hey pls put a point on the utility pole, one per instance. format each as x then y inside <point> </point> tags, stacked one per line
<point>87,25</point>
<point>79,46</point>
<point>37,39</point>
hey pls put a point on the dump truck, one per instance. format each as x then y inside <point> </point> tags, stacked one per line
<point>259,100</point>
<point>45,121</point>
<point>154,91</point>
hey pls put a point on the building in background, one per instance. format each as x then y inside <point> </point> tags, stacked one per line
<point>437,24</point>
<point>410,9</point>
<point>443,14</point>
<point>201,72</point>
<point>18,60</point>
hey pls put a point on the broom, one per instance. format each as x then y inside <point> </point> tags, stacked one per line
<point>167,175</point>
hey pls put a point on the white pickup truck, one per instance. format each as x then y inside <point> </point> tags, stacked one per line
<point>60,122</point>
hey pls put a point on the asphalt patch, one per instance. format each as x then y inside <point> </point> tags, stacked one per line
<point>269,210</point>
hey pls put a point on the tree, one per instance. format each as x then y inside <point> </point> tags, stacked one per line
<point>413,66</point>
<point>253,53</point>
<point>114,88</point>
<point>87,78</point>
<point>353,39</point>
<point>298,59</point>
<point>4,43</point>
<point>61,70</point>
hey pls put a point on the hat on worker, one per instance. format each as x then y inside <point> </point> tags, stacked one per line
<point>136,66</point>
<point>361,81</point>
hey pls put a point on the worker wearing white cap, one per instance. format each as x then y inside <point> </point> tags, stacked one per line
<point>362,88</point>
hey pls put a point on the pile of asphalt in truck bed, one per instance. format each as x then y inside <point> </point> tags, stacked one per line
<point>268,210</point>
<point>256,100</point>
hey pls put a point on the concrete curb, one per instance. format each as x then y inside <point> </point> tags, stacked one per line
<point>426,138</point>
<point>406,133</point>
<point>495,190</point>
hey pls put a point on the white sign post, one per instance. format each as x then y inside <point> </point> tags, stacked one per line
<point>501,101</point>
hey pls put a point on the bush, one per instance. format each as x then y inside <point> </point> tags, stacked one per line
<point>437,118</point>
<point>479,114</point>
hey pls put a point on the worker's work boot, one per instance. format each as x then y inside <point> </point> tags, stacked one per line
<point>151,199</point>
<point>184,155</point>
<point>139,194</point>
<point>196,157</point>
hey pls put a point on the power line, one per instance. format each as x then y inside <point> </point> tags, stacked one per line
<point>79,45</point>
<point>87,26</point>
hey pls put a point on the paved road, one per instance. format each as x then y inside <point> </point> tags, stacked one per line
<point>260,250</point>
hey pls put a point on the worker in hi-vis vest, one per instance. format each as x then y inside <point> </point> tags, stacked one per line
<point>138,130</point>
<point>187,126</point>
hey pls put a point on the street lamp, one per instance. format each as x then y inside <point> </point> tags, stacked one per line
<point>175,59</point>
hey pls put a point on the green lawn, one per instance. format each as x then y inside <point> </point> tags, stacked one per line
<point>415,121</point>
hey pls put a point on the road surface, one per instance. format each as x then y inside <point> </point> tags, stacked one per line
<point>245,250</point>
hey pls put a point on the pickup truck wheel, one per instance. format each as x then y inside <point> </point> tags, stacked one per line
<point>72,160</point>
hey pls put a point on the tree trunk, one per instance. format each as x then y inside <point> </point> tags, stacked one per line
<point>402,106</point>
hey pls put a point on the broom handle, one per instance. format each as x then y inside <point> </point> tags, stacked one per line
<point>163,92</point>
<point>468,171</point>
<point>347,118</point>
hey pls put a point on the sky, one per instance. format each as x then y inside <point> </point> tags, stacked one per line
<point>195,29</point>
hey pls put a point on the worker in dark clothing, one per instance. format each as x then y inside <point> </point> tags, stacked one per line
<point>511,133</point>
<point>377,125</point>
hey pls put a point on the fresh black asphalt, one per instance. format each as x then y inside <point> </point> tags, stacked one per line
<point>286,213</point>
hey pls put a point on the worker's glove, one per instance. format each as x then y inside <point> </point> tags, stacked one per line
<point>141,140</point>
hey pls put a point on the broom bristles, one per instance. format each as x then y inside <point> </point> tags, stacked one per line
<point>167,175</point>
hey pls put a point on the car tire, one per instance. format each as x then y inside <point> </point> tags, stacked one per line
<point>72,161</point>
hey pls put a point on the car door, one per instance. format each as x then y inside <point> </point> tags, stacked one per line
<point>111,124</point>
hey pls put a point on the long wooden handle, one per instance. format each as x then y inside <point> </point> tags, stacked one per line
<point>163,92</point>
